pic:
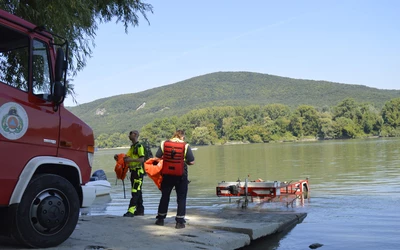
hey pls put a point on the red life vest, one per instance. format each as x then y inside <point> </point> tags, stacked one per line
<point>173,158</point>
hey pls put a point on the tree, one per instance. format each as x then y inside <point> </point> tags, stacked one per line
<point>345,128</point>
<point>231,125</point>
<point>391,113</point>
<point>371,120</point>
<point>253,133</point>
<point>348,108</point>
<point>276,111</point>
<point>201,136</point>
<point>326,129</point>
<point>77,21</point>
<point>309,119</point>
<point>296,125</point>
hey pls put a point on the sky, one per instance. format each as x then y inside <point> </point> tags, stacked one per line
<point>343,41</point>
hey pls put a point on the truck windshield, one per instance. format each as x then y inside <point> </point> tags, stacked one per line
<point>14,58</point>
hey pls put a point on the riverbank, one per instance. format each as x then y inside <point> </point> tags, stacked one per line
<point>226,228</point>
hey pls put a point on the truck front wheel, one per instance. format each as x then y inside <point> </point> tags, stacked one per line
<point>48,212</point>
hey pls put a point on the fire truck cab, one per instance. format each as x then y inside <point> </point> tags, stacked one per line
<point>46,152</point>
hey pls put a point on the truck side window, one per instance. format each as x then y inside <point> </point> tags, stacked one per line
<point>14,58</point>
<point>41,81</point>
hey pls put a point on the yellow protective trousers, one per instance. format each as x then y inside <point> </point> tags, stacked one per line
<point>136,202</point>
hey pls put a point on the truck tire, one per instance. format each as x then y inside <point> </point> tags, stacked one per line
<point>48,212</point>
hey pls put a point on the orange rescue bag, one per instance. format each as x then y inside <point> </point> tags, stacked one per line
<point>121,168</point>
<point>153,168</point>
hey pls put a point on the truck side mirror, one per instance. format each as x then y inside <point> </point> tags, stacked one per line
<point>60,65</point>
<point>59,86</point>
<point>58,93</point>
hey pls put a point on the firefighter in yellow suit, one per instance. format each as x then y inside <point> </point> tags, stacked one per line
<point>135,159</point>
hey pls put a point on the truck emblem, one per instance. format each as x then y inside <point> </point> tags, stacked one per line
<point>14,121</point>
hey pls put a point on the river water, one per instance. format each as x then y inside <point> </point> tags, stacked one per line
<point>354,198</point>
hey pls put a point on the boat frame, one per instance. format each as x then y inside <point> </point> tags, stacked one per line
<point>263,190</point>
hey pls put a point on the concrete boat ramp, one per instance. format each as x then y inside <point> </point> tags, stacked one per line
<point>222,228</point>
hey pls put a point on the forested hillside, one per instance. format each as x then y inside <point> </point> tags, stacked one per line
<point>119,114</point>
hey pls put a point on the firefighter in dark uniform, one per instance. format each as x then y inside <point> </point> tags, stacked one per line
<point>135,159</point>
<point>176,155</point>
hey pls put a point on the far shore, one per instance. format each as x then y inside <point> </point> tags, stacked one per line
<point>246,142</point>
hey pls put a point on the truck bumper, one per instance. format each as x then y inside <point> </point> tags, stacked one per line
<point>88,195</point>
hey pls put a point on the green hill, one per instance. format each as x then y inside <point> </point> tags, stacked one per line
<point>124,112</point>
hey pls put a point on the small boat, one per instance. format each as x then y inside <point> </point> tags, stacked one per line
<point>267,190</point>
<point>261,188</point>
<point>100,182</point>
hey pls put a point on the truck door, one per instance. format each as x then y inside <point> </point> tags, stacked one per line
<point>29,126</point>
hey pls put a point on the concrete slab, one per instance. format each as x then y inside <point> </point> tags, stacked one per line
<point>256,224</point>
<point>205,229</point>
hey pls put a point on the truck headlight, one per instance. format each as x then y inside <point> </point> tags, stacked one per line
<point>90,155</point>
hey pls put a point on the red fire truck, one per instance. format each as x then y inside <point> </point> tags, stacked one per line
<point>46,152</point>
